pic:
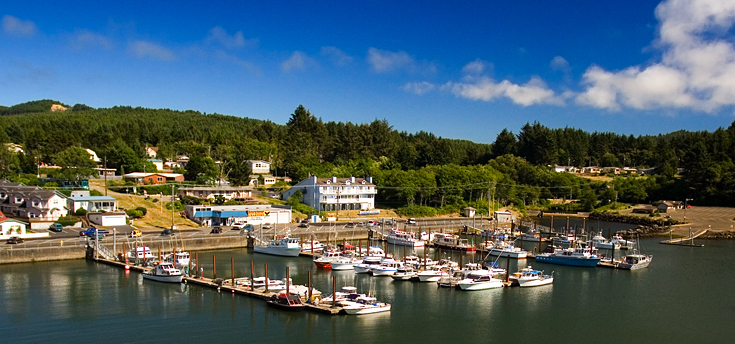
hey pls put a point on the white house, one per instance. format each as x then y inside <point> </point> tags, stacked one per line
<point>158,163</point>
<point>336,193</point>
<point>241,193</point>
<point>41,207</point>
<point>92,203</point>
<point>93,155</point>
<point>13,227</point>
<point>260,166</point>
<point>267,179</point>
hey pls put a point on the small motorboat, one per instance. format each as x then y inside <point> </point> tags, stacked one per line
<point>287,302</point>
<point>481,282</point>
<point>343,263</point>
<point>528,277</point>
<point>635,262</point>
<point>363,304</point>
<point>164,272</point>
<point>404,273</point>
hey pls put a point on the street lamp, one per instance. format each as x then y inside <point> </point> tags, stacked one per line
<point>685,208</point>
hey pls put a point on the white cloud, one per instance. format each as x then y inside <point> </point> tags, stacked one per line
<point>419,88</point>
<point>477,67</point>
<point>85,39</point>
<point>18,27</point>
<point>237,40</point>
<point>486,89</point>
<point>697,69</point>
<point>297,61</point>
<point>337,56</point>
<point>383,61</point>
<point>559,63</point>
<point>251,67</point>
<point>144,49</point>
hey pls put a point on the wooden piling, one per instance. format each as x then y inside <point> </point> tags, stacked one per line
<point>252,275</point>
<point>334,291</point>
<point>198,271</point>
<point>266,277</point>
<point>309,286</point>
<point>233,271</point>
<point>507,268</point>
<point>214,268</point>
<point>287,281</point>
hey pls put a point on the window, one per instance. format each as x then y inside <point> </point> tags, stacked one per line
<point>160,179</point>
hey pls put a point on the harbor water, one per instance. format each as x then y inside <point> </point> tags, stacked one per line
<point>683,297</point>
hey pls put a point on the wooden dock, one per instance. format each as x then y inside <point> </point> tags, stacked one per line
<point>690,239</point>
<point>227,286</point>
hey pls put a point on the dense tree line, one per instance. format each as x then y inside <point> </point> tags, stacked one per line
<point>411,168</point>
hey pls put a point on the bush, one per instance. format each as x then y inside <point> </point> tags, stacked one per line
<point>95,193</point>
<point>80,212</point>
<point>134,213</point>
<point>177,206</point>
<point>416,211</point>
<point>68,220</point>
<point>142,210</point>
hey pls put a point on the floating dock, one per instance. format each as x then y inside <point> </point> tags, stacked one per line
<point>690,239</point>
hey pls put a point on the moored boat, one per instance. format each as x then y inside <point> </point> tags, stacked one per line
<point>164,272</point>
<point>363,304</point>
<point>574,256</point>
<point>287,302</point>
<point>635,262</point>
<point>282,246</point>
<point>452,242</point>
<point>528,277</point>
<point>480,282</point>
<point>399,237</point>
<point>506,249</point>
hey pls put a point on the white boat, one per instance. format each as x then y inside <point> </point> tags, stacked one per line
<point>164,272</point>
<point>325,261</point>
<point>624,244</point>
<point>452,242</point>
<point>528,277</point>
<point>282,246</point>
<point>140,253</point>
<point>306,246</point>
<point>573,256</point>
<point>340,295</point>
<point>387,267</point>
<point>600,241</point>
<point>404,273</point>
<point>343,263</point>
<point>532,236</point>
<point>479,283</point>
<point>273,285</point>
<point>363,304</point>
<point>507,250</point>
<point>180,259</point>
<point>635,262</point>
<point>399,237</point>
<point>433,274</point>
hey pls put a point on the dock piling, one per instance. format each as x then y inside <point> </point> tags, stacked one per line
<point>309,290</point>
<point>214,267</point>
<point>287,280</point>
<point>334,291</point>
<point>266,277</point>
<point>252,275</point>
<point>233,271</point>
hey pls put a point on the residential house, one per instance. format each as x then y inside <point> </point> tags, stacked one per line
<point>336,193</point>
<point>158,163</point>
<point>260,166</point>
<point>32,203</point>
<point>153,178</point>
<point>631,170</point>
<point>267,180</point>
<point>570,169</point>
<point>667,206</point>
<point>238,193</point>
<point>92,203</point>
<point>103,173</point>
<point>151,151</point>
<point>612,169</point>
<point>592,170</point>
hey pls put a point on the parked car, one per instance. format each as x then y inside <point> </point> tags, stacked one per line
<point>56,227</point>
<point>135,233</point>
<point>350,225</point>
<point>411,221</point>
<point>216,230</point>
<point>168,231</point>
<point>304,224</point>
<point>237,226</point>
<point>371,223</point>
<point>266,226</point>
<point>90,231</point>
<point>15,240</point>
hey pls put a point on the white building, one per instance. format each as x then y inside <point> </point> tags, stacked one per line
<point>260,166</point>
<point>226,215</point>
<point>39,206</point>
<point>240,193</point>
<point>336,193</point>
<point>92,203</point>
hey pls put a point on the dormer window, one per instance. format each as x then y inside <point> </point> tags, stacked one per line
<point>363,182</point>
<point>329,182</point>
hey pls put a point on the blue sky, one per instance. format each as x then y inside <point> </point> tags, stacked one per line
<point>461,70</point>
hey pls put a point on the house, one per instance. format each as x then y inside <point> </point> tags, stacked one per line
<point>336,193</point>
<point>170,164</point>
<point>153,178</point>
<point>158,163</point>
<point>151,151</point>
<point>612,169</point>
<point>592,170</point>
<point>666,206</point>
<point>14,147</point>
<point>228,214</point>
<point>92,203</point>
<point>469,212</point>
<point>10,227</point>
<point>40,206</point>
<point>93,155</point>
<point>260,166</point>
<point>570,169</point>
<point>108,219</point>
<point>103,173</point>
<point>631,170</point>
<point>238,193</point>
<point>503,216</point>
<point>267,180</point>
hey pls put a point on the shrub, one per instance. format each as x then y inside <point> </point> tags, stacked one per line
<point>80,212</point>
<point>142,210</point>
<point>67,220</point>
<point>416,211</point>
<point>134,213</point>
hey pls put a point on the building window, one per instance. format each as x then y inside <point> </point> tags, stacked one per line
<point>160,179</point>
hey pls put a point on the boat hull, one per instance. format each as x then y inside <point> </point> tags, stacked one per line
<point>481,285</point>
<point>402,277</point>
<point>362,268</point>
<point>591,262</point>
<point>535,282</point>
<point>430,278</point>
<point>362,310</point>
<point>278,251</point>
<point>165,279</point>
<point>383,272</point>
<point>402,242</point>
<point>509,254</point>
<point>342,266</point>
<point>285,307</point>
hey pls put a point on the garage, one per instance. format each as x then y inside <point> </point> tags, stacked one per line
<point>108,219</point>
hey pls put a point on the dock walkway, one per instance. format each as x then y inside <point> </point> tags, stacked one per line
<point>690,239</point>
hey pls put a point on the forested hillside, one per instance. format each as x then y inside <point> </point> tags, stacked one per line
<point>410,168</point>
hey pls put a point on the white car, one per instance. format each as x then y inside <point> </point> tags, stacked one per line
<point>411,221</point>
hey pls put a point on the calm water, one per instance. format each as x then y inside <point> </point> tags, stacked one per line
<point>684,297</point>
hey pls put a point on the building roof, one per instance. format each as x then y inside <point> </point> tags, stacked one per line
<point>217,188</point>
<point>4,218</point>
<point>142,175</point>
<point>343,181</point>
<point>267,162</point>
<point>92,198</point>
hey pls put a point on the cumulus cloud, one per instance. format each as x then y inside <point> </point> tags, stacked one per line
<point>559,63</point>
<point>144,49</point>
<point>18,27</point>
<point>298,61</point>
<point>419,87</point>
<point>487,89</point>
<point>86,39</point>
<point>383,61</point>
<point>697,68</point>
<point>337,56</point>
<point>237,40</point>
<point>477,67</point>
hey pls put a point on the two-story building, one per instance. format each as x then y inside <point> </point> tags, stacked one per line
<point>153,178</point>
<point>260,166</point>
<point>334,193</point>
<point>238,193</point>
<point>32,203</point>
<point>226,215</point>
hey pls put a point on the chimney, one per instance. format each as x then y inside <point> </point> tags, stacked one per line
<point>352,179</point>
<point>313,179</point>
<point>369,179</point>
<point>334,179</point>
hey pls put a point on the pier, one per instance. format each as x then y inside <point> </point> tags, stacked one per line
<point>687,241</point>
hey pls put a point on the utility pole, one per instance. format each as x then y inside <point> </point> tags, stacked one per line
<point>173,206</point>
<point>105,173</point>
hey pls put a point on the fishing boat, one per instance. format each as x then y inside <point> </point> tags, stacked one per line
<point>635,262</point>
<point>340,295</point>
<point>600,241</point>
<point>528,277</point>
<point>178,258</point>
<point>432,274</point>
<point>307,246</point>
<point>324,261</point>
<point>363,304</point>
<point>452,242</point>
<point>532,236</point>
<point>581,255</point>
<point>140,253</point>
<point>399,237</point>
<point>480,282</point>
<point>506,249</point>
<point>343,263</point>
<point>281,246</point>
<point>164,272</point>
<point>287,302</point>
